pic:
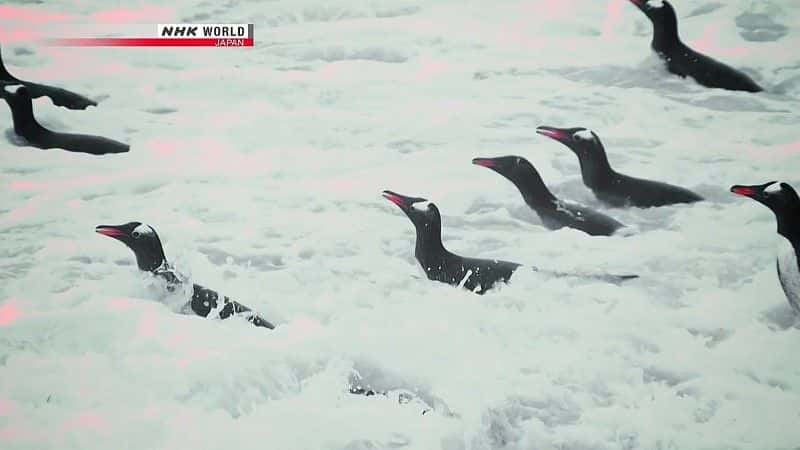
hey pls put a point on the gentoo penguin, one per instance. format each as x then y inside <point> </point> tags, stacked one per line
<point>59,97</point>
<point>682,60</point>
<point>609,186</point>
<point>782,199</point>
<point>477,275</point>
<point>554,213</point>
<point>25,125</point>
<point>143,240</point>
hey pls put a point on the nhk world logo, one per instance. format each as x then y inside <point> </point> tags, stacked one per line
<point>168,35</point>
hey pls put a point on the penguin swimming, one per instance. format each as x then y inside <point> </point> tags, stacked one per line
<point>554,213</point>
<point>25,125</point>
<point>477,275</point>
<point>59,97</point>
<point>682,60</point>
<point>783,201</point>
<point>143,240</point>
<point>609,186</point>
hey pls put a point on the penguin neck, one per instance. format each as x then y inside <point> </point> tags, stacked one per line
<point>665,35</point>
<point>789,227</point>
<point>152,265</point>
<point>154,262</point>
<point>534,191</point>
<point>429,248</point>
<point>595,169</point>
<point>169,274</point>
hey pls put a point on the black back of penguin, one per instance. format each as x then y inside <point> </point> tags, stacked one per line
<point>477,275</point>
<point>608,185</point>
<point>682,60</point>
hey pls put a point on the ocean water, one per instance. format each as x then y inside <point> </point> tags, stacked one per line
<point>262,169</point>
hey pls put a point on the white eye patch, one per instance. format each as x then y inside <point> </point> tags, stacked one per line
<point>421,206</point>
<point>773,188</point>
<point>655,3</point>
<point>12,88</point>
<point>143,229</point>
<point>585,135</point>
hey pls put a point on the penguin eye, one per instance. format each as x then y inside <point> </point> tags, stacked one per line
<point>136,234</point>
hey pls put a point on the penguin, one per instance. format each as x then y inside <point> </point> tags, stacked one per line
<point>25,125</point>
<point>554,212</point>
<point>439,264</point>
<point>783,201</point>
<point>143,240</point>
<point>59,96</point>
<point>681,60</point>
<point>609,186</point>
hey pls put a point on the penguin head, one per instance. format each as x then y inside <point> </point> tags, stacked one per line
<point>583,142</point>
<point>781,198</point>
<point>658,11</point>
<point>511,167</point>
<point>519,171</point>
<point>664,19</point>
<point>425,218</point>
<point>142,239</point>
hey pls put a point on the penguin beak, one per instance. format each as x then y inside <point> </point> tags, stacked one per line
<point>745,191</point>
<point>641,4</point>
<point>553,133</point>
<point>756,192</point>
<point>489,163</point>
<point>401,200</point>
<point>111,231</point>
